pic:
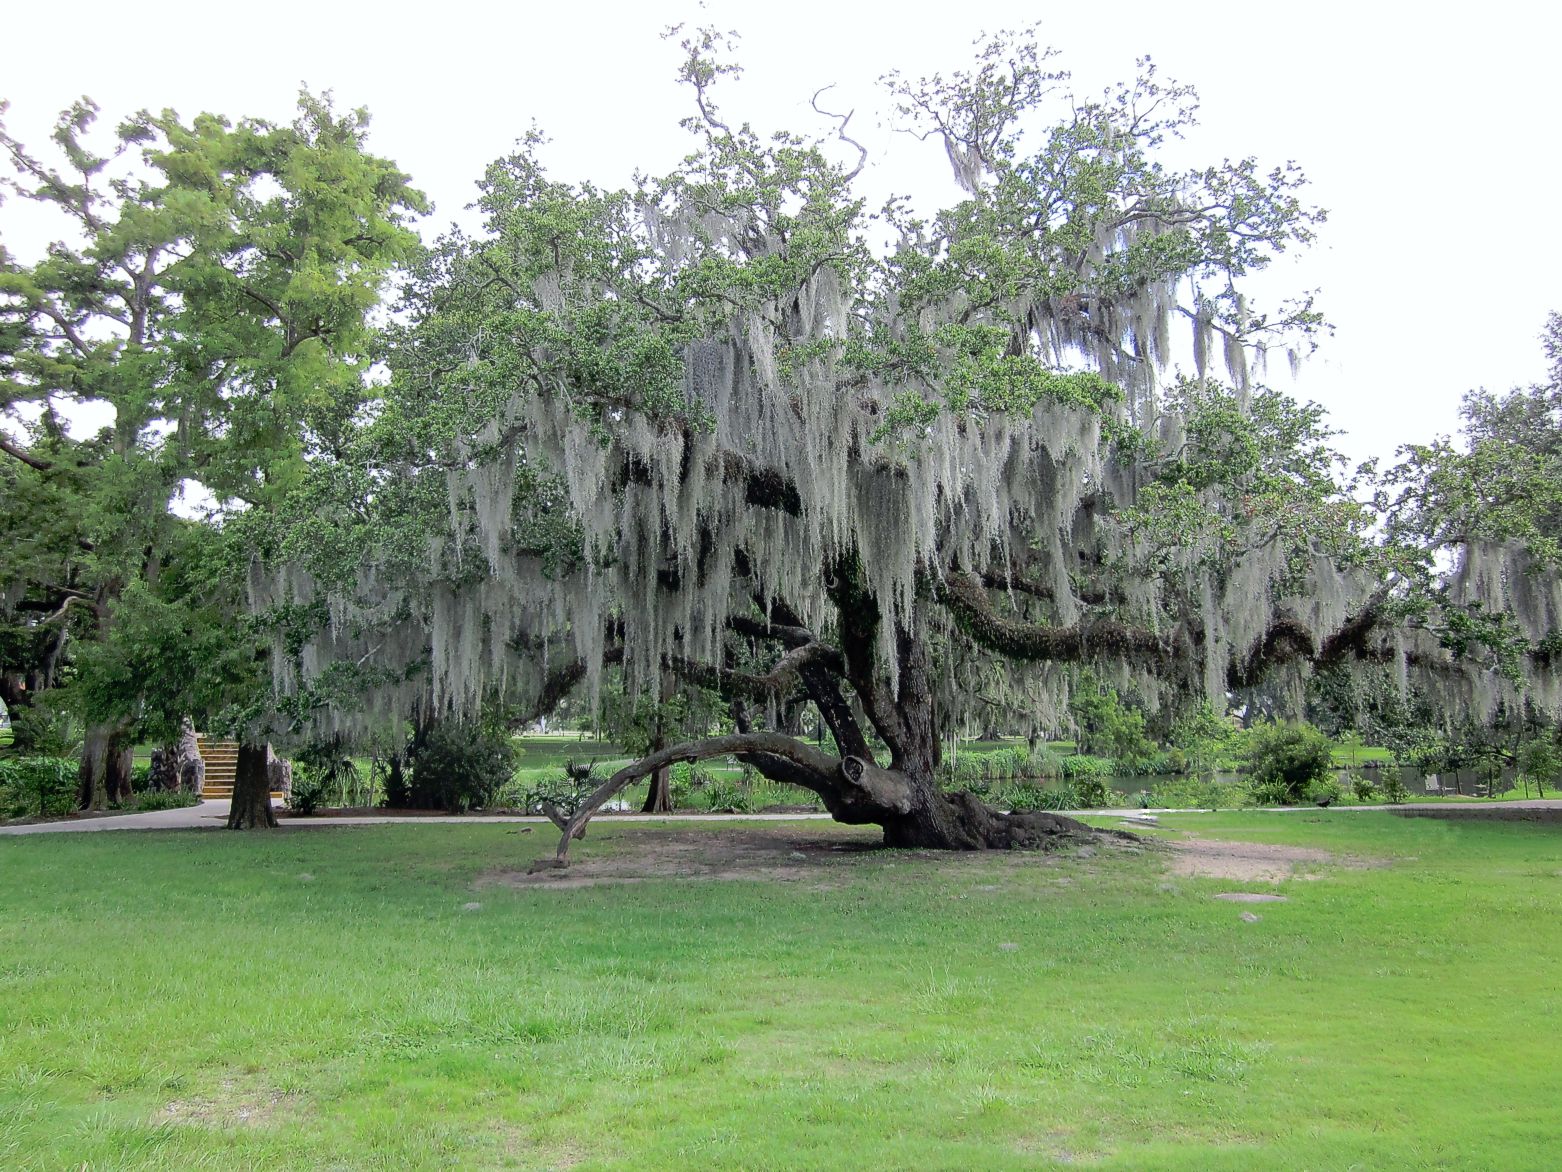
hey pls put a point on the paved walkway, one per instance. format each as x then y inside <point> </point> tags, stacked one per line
<point>213,815</point>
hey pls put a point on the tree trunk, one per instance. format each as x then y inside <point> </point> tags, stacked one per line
<point>188,762</point>
<point>92,792</point>
<point>120,762</point>
<point>251,808</point>
<point>163,775</point>
<point>104,774</point>
<point>659,797</point>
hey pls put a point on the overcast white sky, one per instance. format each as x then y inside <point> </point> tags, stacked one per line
<point>1430,131</point>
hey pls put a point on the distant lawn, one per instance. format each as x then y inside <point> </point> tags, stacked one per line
<point>324,999</point>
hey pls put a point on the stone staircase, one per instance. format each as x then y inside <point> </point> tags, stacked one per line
<point>222,766</point>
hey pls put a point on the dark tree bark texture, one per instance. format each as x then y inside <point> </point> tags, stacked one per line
<point>659,797</point>
<point>251,806</point>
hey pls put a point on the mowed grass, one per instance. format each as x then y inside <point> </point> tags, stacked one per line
<point>326,999</point>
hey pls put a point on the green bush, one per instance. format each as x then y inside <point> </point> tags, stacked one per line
<point>324,774</point>
<point>1042,797</point>
<point>140,777</point>
<point>1283,759</point>
<point>565,793</point>
<point>1325,792</point>
<point>722,793</point>
<point>310,791</point>
<point>162,799</point>
<point>1394,791</point>
<point>1197,793</point>
<point>1081,765</point>
<point>1362,787</point>
<point>1094,791</point>
<point>459,767</point>
<point>38,786</point>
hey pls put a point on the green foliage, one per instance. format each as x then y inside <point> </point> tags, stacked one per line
<point>1082,766</point>
<point>325,774</point>
<point>724,794</point>
<point>1540,761</point>
<point>144,803</point>
<point>1109,727</point>
<point>1283,758</point>
<point>213,288</point>
<point>458,767</point>
<point>1362,787</point>
<point>1394,791</point>
<point>564,793</point>
<point>1324,792</point>
<point>1199,793</point>
<point>1094,791</point>
<point>37,786</point>
<point>1202,735</point>
<point>1059,796</point>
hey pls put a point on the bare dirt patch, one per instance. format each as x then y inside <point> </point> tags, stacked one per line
<point>234,1107</point>
<point>781,855</point>
<point>1251,862</point>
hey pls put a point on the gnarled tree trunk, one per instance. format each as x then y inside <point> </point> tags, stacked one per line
<point>251,808</point>
<point>106,760</point>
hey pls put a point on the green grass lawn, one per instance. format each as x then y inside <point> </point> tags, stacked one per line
<point>325,999</point>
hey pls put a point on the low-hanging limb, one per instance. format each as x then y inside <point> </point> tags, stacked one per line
<point>820,765</point>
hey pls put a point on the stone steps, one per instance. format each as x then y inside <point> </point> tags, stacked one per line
<point>222,768</point>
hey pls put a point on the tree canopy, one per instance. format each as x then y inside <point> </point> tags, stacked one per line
<point>732,432</point>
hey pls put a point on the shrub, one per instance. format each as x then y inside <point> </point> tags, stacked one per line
<point>1094,791</point>
<point>1284,758</point>
<point>564,792</point>
<point>1028,796</point>
<point>1362,787</point>
<point>310,790</point>
<point>1198,793</point>
<point>38,786</point>
<point>723,793</point>
<point>164,799</point>
<point>1081,766</point>
<point>324,774</point>
<point>1394,791</point>
<point>1325,792</point>
<point>141,777</point>
<point>459,767</point>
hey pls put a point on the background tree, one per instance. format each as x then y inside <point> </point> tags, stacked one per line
<point>212,298</point>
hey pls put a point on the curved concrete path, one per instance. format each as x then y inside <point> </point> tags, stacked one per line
<point>213,815</point>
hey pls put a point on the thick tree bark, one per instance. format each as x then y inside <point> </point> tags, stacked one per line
<point>902,796</point>
<point>164,772</point>
<point>104,774</point>
<point>659,798</point>
<point>251,807</point>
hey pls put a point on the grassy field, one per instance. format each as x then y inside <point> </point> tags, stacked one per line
<point>380,998</point>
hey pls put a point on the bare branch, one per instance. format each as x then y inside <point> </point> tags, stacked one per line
<point>840,131</point>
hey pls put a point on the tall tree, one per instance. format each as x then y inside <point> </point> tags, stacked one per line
<point>705,427</point>
<point>211,299</point>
